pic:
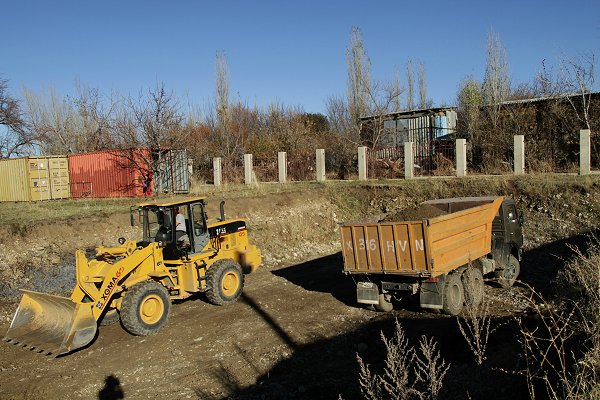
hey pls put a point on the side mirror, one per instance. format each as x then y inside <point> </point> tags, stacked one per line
<point>521,219</point>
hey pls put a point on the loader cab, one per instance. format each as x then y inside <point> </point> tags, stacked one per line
<point>159,221</point>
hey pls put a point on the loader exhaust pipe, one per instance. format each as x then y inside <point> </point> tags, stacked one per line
<point>51,324</point>
<point>222,207</point>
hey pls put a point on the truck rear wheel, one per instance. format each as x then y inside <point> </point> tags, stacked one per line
<point>225,282</point>
<point>473,287</point>
<point>506,277</point>
<point>145,309</point>
<point>453,296</point>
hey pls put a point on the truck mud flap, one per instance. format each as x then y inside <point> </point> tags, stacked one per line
<point>367,293</point>
<point>431,294</point>
<point>51,324</point>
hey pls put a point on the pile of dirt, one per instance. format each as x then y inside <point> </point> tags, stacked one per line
<point>423,211</point>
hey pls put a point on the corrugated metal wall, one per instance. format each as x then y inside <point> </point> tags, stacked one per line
<point>111,173</point>
<point>14,180</point>
<point>34,178</point>
<point>173,173</point>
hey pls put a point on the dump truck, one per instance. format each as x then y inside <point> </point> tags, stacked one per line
<point>136,281</point>
<point>441,260</point>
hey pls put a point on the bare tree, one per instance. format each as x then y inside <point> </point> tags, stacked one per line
<point>383,98</point>
<point>496,81</point>
<point>359,78</point>
<point>423,102</point>
<point>15,136</point>
<point>96,114</point>
<point>410,83</point>
<point>54,122</point>
<point>579,77</point>
<point>470,101</point>
<point>398,89</point>
<point>145,127</point>
<point>222,88</point>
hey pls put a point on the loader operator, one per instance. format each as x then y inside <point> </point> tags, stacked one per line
<point>180,229</point>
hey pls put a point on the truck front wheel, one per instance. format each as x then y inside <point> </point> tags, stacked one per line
<point>453,296</point>
<point>506,277</point>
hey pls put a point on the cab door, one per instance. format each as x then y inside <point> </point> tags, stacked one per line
<point>200,235</point>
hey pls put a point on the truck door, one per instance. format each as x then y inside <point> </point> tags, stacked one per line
<point>513,225</point>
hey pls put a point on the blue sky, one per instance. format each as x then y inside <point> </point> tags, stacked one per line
<point>290,52</point>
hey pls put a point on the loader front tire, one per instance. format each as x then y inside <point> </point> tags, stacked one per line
<point>225,282</point>
<point>453,296</point>
<point>145,308</point>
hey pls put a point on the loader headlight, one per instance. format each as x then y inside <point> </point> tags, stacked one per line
<point>121,240</point>
<point>161,244</point>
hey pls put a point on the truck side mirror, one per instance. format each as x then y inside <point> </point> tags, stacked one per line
<point>521,219</point>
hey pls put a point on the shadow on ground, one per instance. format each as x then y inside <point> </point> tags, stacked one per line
<point>328,369</point>
<point>540,266</point>
<point>322,275</point>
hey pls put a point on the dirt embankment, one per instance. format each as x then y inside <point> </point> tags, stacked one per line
<point>296,330</point>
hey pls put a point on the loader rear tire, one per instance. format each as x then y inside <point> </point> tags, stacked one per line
<point>453,296</point>
<point>145,308</point>
<point>225,282</point>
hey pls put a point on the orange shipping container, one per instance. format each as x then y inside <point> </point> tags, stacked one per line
<point>113,173</point>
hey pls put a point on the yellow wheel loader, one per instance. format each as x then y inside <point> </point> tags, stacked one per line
<point>180,255</point>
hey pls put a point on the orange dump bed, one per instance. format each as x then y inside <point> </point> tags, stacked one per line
<point>430,247</point>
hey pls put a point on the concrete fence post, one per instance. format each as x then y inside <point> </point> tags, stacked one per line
<point>282,166</point>
<point>248,169</point>
<point>519,149</point>
<point>585,161</point>
<point>320,158</point>
<point>362,163</point>
<point>461,157</point>
<point>409,161</point>
<point>217,171</point>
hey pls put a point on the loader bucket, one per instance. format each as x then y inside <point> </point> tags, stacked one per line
<point>51,324</point>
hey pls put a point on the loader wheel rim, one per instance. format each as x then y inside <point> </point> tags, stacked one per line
<point>230,283</point>
<point>151,309</point>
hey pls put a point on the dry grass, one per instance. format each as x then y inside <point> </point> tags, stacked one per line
<point>408,373</point>
<point>563,348</point>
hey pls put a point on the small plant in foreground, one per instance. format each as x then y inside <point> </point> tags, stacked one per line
<point>407,374</point>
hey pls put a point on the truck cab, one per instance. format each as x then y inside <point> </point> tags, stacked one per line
<point>507,242</point>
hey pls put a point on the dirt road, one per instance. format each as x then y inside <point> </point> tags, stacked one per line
<point>294,334</point>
